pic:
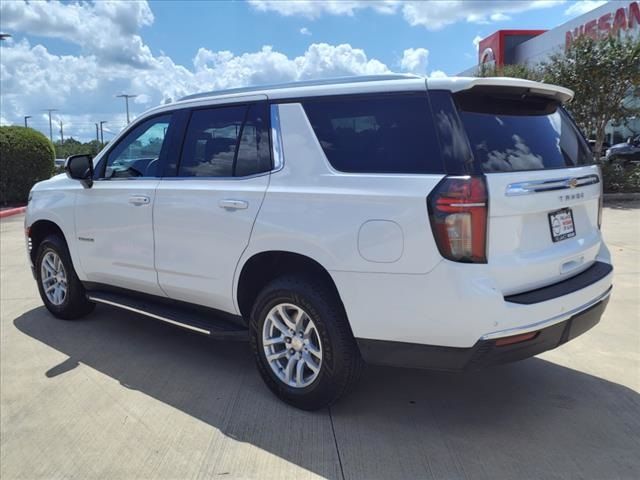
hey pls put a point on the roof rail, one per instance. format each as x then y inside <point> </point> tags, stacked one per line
<point>306,83</point>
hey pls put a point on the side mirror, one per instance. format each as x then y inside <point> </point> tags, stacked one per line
<point>80,167</point>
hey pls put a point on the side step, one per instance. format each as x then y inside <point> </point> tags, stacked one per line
<point>192,317</point>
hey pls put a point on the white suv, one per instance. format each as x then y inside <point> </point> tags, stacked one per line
<point>448,224</point>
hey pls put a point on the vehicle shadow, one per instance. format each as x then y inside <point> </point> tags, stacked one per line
<point>534,419</point>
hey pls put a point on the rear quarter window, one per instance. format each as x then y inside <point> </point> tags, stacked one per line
<point>381,134</point>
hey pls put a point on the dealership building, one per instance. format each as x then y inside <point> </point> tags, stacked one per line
<point>531,47</point>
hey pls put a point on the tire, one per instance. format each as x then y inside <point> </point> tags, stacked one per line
<point>341,363</point>
<point>73,304</point>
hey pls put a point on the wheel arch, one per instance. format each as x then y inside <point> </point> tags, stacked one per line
<point>38,231</point>
<point>263,267</point>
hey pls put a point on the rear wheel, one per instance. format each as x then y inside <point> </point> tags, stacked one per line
<point>304,348</point>
<point>59,286</point>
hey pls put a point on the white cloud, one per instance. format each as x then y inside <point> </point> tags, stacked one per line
<point>315,8</point>
<point>83,87</point>
<point>415,60</point>
<point>476,41</point>
<point>305,31</point>
<point>432,15</point>
<point>499,17</point>
<point>583,6</point>
<point>438,74</point>
<point>113,58</point>
<point>106,28</point>
<point>437,15</point>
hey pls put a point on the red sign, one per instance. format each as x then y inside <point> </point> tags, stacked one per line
<point>608,24</point>
<point>492,50</point>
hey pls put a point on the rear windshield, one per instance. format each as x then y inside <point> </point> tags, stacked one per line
<point>516,133</point>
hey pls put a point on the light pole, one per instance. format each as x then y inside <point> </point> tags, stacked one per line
<point>101,133</point>
<point>126,101</point>
<point>50,126</point>
<point>26,117</point>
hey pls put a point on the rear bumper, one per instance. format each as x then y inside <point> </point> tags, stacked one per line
<point>487,351</point>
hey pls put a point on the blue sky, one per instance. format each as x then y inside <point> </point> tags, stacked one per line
<point>76,56</point>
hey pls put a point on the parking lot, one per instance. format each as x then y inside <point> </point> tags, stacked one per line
<point>120,396</point>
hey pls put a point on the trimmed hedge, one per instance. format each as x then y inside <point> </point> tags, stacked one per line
<point>26,157</point>
<point>621,179</point>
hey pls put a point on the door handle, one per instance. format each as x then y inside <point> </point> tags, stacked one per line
<point>138,200</point>
<point>230,204</point>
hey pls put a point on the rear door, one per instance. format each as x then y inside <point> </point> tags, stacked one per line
<point>543,189</point>
<point>204,213</point>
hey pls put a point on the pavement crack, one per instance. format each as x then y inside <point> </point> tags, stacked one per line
<point>335,441</point>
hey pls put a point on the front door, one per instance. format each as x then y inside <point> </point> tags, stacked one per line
<point>114,218</point>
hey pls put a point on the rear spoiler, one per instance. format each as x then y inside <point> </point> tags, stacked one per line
<point>459,84</point>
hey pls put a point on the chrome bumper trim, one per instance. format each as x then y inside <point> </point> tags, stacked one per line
<point>546,323</point>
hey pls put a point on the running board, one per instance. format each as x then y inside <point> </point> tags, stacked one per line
<point>194,318</point>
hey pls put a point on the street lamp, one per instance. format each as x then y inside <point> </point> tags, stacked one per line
<point>126,100</point>
<point>26,117</point>
<point>50,126</point>
<point>101,134</point>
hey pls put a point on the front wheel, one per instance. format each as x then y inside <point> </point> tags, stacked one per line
<point>304,348</point>
<point>59,286</point>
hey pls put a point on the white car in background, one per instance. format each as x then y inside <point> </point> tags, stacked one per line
<point>449,224</point>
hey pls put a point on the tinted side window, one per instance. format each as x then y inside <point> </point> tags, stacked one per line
<point>384,134</point>
<point>210,142</point>
<point>253,149</point>
<point>138,153</point>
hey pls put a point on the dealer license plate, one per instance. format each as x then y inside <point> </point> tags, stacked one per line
<point>561,224</point>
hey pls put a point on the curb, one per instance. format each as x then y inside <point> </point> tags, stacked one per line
<point>12,211</point>
<point>625,197</point>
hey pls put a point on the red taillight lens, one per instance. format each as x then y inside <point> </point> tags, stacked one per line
<point>458,214</point>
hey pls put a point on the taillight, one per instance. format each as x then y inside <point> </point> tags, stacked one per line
<point>458,215</point>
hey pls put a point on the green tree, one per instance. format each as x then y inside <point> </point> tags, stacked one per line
<point>26,157</point>
<point>603,74</point>
<point>516,71</point>
<point>71,146</point>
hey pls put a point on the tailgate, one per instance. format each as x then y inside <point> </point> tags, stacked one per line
<point>521,251</point>
<point>543,189</point>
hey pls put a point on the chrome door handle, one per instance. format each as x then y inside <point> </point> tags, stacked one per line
<point>231,204</point>
<point>139,200</point>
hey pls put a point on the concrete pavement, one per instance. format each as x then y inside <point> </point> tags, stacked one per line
<point>120,396</point>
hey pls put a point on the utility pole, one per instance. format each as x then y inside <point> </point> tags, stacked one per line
<point>61,134</point>
<point>26,117</point>
<point>126,101</point>
<point>101,133</point>
<point>51,126</point>
<point>97,134</point>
